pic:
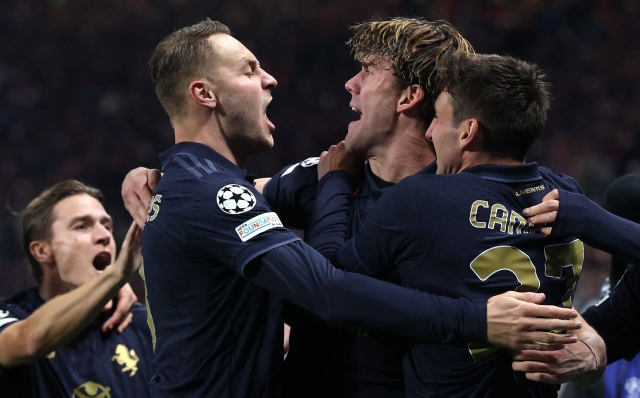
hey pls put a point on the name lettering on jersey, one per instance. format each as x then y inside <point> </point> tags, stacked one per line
<point>4,318</point>
<point>498,217</point>
<point>154,208</point>
<point>126,358</point>
<point>258,225</point>
<point>91,389</point>
<point>526,191</point>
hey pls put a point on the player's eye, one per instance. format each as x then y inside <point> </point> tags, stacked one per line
<point>367,72</point>
<point>80,227</point>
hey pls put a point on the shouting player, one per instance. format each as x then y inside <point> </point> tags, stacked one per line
<point>462,233</point>
<point>209,230</point>
<point>51,342</point>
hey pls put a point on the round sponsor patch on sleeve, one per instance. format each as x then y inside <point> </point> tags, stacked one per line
<point>235,199</point>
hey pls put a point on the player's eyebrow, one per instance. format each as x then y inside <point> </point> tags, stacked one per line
<point>367,64</point>
<point>250,61</point>
<point>104,219</point>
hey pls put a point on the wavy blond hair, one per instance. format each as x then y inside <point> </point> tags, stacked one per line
<point>414,46</point>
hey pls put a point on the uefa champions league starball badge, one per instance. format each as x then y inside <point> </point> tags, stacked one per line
<point>235,199</point>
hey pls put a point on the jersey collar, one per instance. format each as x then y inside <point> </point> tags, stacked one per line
<point>502,173</point>
<point>204,152</point>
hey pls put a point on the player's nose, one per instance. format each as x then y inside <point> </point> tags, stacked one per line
<point>268,82</point>
<point>101,234</point>
<point>351,85</point>
<point>429,134</point>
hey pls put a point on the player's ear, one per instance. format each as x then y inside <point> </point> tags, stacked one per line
<point>41,251</point>
<point>201,91</point>
<point>469,133</point>
<point>410,98</point>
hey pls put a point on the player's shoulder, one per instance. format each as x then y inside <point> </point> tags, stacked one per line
<point>19,306</point>
<point>559,180</point>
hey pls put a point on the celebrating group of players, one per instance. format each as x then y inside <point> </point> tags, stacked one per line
<point>417,230</point>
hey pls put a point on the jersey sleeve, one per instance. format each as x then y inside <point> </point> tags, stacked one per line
<point>292,192</point>
<point>228,221</point>
<point>617,318</point>
<point>330,220</point>
<point>8,316</point>
<point>303,276</point>
<point>388,235</point>
<point>580,217</point>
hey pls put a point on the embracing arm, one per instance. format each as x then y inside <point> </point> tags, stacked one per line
<point>62,318</point>
<point>575,215</point>
<point>304,277</point>
<point>583,362</point>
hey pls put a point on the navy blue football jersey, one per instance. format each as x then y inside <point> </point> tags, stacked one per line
<point>292,193</point>
<point>464,235</point>
<point>340,360</point>
<point>208,234</point>
<point>617,317</point>
<point>93,364</point>
<point>215,334</point>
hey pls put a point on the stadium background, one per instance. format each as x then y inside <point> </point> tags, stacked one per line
<point>76,100</point>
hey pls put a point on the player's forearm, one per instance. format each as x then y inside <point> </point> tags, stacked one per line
<point>596,358</point>
<point>580,217</point>
<point>58,321</point>
<point>302,276</point>
<point>330,220</point>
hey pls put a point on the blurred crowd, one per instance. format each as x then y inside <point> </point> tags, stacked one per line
<point>76,100</point>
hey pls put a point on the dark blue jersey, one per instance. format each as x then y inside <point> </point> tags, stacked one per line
<point>340,360</point>
<point>464,236</point>
<point>292,193</point>
<point>617,317</point>
<point>93,364</point>
<point>216,334</point>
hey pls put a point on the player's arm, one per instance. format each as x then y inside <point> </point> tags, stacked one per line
<point>303,276</point>
<point>583,362</point>
<point>575,215</point>
<point>339,171</point>
<point>292,192</point>
<point>617,318</point>
<point>59,320</point>
<point>137,190</point>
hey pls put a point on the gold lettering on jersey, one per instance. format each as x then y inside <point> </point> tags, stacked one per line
<point>154,208</point>
<point>516,218</point>
<point>51,355</point>
<point>526,191</point>
<point>502,220</point>
<point>498,216</point>
<point>91,389</point>
<point>126,358</point>
<point>473,217</point>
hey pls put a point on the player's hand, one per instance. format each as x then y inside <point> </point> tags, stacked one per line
<point>555,367</point>
<point>137,190</point>
<point>544,215</point>
<point>128,262</point>
<point>122,316</point>
<point>514,321</point>
<point>339,158</point>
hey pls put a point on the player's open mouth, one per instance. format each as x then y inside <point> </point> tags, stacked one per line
<point>356,110</point>
<point>271,126</point>
<point>102,260</point>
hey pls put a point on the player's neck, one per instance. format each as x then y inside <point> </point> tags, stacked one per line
<point>480,158</point>
<point>52,286</point>
<point>207,132</point>
<point>403,155</point>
